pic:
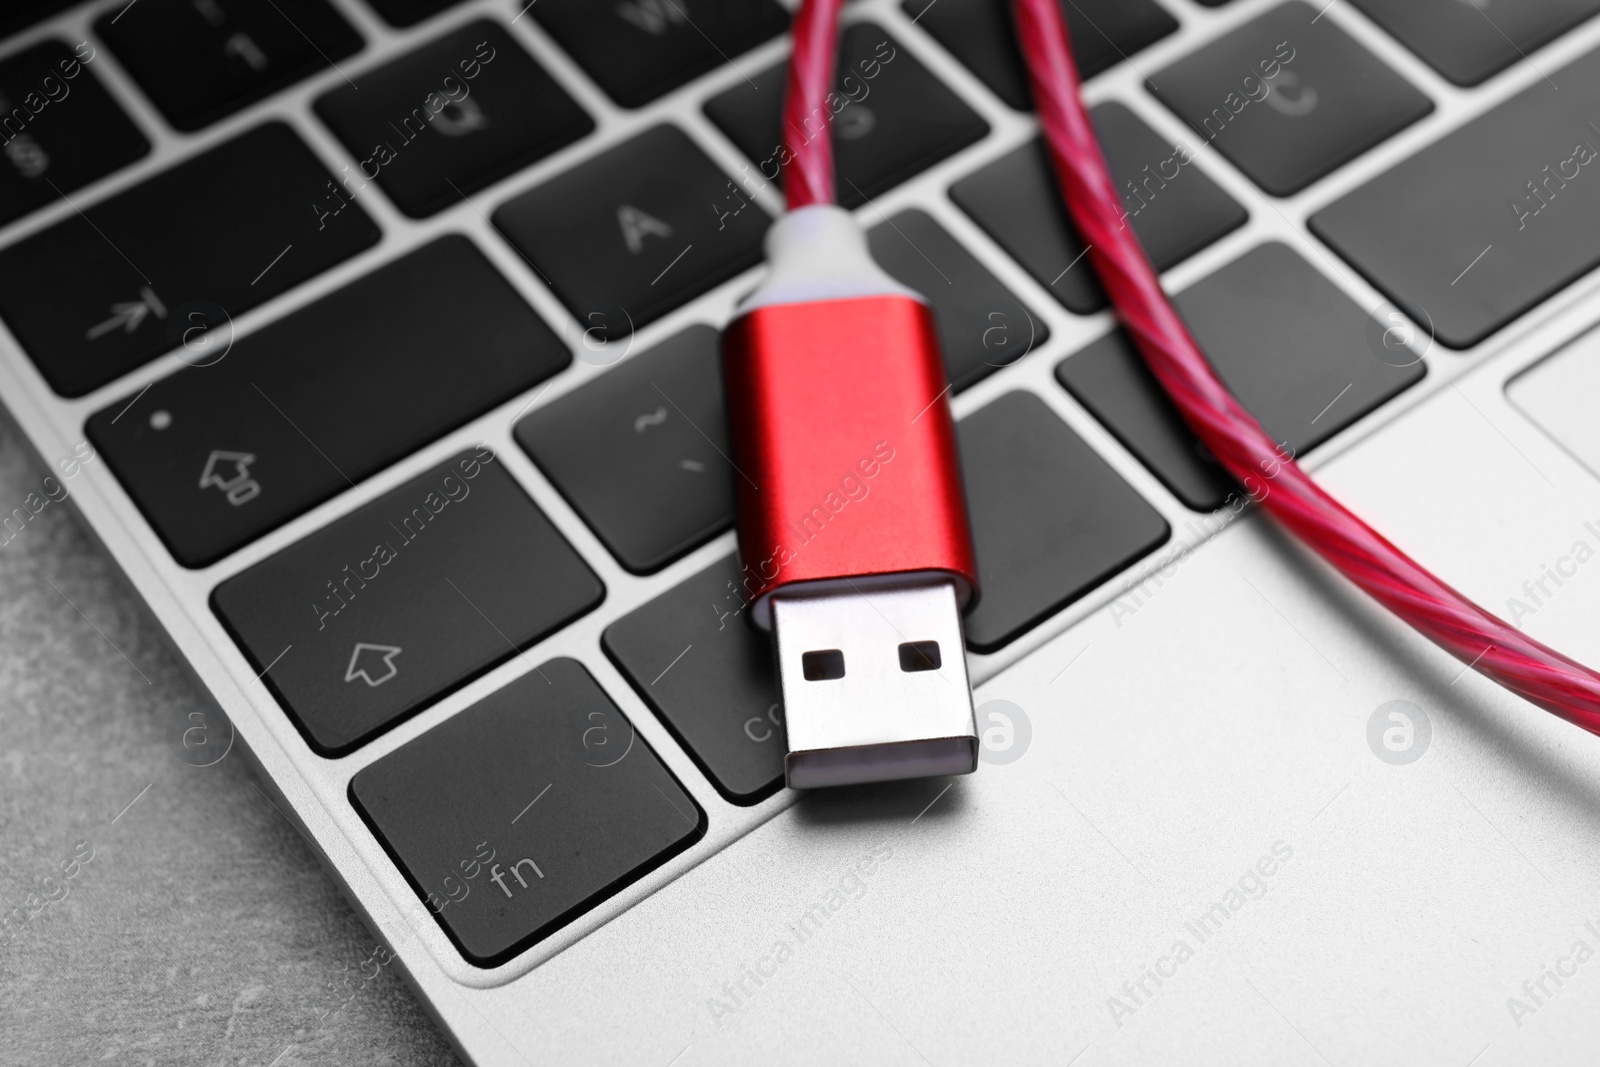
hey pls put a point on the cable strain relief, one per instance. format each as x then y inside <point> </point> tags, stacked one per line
<point>818,252</point>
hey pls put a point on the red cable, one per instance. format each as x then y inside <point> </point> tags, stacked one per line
<point>1474,636</point>
<point>1441,614</point>
<point>808,172</point>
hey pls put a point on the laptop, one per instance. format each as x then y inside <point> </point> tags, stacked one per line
<point>376,341</point>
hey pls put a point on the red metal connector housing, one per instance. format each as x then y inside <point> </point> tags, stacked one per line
<point>843,434</point>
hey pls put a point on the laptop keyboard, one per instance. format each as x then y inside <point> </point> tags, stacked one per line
<point>978,32</point>
<point>1488,221</point>
<point>899,121</point>
<point>1469,42</point>
<point>642,452</point>
<point>1050,519</point>
<point>1176,210</point>
<point>1289,97</point>
<point>464,111</point>
<point>217,455</point>
<point>108,289</point>
<point>21,13</point>
<point>405,599</point>
<point>525,809</point>
<point>1295,349</point>
<point>636,50</point>
<point>982,326</point>
<point>202,60</point>
<point>512,817</point>
<point>693,657</point>
<point>636,231</point>
<point>409,12</point>
<point>72,148</point>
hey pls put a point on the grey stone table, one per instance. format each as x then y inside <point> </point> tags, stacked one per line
<point>191,923</point>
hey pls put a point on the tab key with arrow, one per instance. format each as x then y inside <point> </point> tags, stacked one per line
<point>129,315</point>
<point>80,295</point>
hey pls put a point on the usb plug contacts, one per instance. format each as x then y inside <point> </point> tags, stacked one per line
<point>874,685</point>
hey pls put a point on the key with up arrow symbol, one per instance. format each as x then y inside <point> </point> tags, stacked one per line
<point>373,664</point>
<point>388,613</point>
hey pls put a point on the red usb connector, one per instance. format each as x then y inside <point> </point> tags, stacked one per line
<point>852,526</point>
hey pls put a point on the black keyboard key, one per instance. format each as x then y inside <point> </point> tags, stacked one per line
<point>1289,97</point>
<point>20,13</point>
<point>202,60</point>
<point>1467,40</point>
<point>982,327</point>
<point>1303,357</point>
<point>707,672</point>
<point>1486,223</point>
<point>513,817</point>
<point>452,117</point>
<point>1111,380</point>
<point>1050,519</point>
<point>404,600</point>
<point>61,128</point>
<point>640,49</point>
<point>641,452</point>
<point>636,231</point>
<point>1173,207</point>
<point>898,120</point>
<point>980,33</point>
<point>316,401</point>
<point>1299,354</point>
<point>410,12</point>
<point>101,293</point>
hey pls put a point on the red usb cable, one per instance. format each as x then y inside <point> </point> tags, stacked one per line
<point>1474,636</point>
<point>853,530</point>
<point>808,176</point>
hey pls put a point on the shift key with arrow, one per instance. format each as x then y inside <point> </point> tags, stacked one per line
<point>109,288</point>
<point>380,614</point>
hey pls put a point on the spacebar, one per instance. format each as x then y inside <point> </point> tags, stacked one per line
<point>1482,225</point>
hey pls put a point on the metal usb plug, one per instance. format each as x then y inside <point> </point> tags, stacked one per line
<point>874,685</point>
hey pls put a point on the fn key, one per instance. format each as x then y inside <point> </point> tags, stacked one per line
<point>525,810</point>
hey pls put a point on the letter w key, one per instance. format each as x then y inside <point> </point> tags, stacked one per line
<point>652,16</point>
